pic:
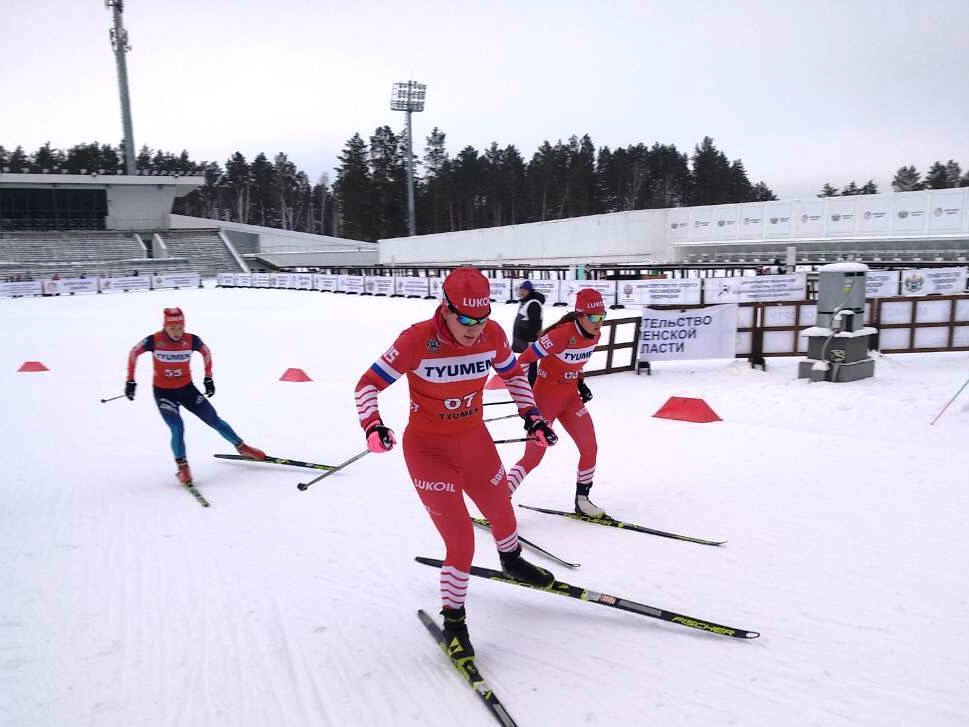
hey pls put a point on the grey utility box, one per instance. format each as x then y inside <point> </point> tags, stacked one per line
<point>838,341</point>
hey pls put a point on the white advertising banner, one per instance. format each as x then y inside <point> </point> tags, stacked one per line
<point>759,289</point>
<point>325,283</point>
<point>809,219</point>
<point>777,216</point>
<point>752,221</point>
<point>606,288</point>
<point>379,285</point>
<point>175,280</point>
<point>243,280</point>
<point>947,210</point>
<point>929,281</point>
<point>679,218</point>
<point>435,287</point>
<point>70,286</point>
<point>548,288</point>
<point>726,219</point>
<point>351,284</point>
<point>702,333</point>
<point>874,214</point>
<point>279,280</point>
<point>412,287</point>
<point>881,283</point>
<point>225,280</point>
<point>27,287</point>
<point>910,213</point>
<point>260,280</point>
<point>500,289</point>
<point>129,282</point>
<point>303,281</point>
<point>678,291</point>
<point>842,215</point>
<point>701,223</point>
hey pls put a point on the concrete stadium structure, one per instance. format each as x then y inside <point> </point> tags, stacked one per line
<point>907,226</point>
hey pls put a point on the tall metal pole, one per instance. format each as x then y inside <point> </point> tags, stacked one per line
<point>409,97</point>
<point>119,42</point>
<point>411,222</point>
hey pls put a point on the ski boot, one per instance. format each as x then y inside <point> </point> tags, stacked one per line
<point>246,451</point>
<point>516,567</point>
<point>184,474</point>
<point>456,640</point>
<point>583,505</point>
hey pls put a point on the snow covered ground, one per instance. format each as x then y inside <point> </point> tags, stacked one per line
<point>122,602</point>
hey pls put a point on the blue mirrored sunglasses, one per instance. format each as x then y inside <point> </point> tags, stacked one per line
<point>463,319</point>
<point>469,321</point>
<point>596,317</point>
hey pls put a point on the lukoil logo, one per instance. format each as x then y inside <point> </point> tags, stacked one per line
<point>434,486</point>
<point>476,302</point>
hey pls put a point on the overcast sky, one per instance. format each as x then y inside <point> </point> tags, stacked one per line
<point>803,92</point>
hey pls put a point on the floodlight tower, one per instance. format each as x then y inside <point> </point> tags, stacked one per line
<point>119,42</point>
<point>409,96</point>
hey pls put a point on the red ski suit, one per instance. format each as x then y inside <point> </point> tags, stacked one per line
<point>562,353</point>
<point>447,448</point>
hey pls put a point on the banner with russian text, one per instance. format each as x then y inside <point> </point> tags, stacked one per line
<point>669,291</point>
<point>126,283</point>
<point>881,283</point>
<point>548,288</point>
<point>70,286</point>
<point>755,289</point>
<point>702,333</point>
<point>932,281</point>
<point>176,280</point>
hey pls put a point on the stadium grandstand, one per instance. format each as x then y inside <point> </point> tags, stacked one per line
<point>85,225</point>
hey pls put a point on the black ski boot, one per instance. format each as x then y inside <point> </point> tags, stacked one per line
<point>456,639</point>
<point>514,566</point>
<point>583,505</point>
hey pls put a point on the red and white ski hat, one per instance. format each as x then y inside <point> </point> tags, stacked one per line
<point>467,291</point>
<point>173,317</point>
<point>589,302</point>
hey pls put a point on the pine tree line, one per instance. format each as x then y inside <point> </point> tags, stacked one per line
<point>473,189</point>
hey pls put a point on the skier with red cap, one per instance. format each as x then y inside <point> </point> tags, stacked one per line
<point>562,351</point>
<point>448,451</point>
<point>172,350</point>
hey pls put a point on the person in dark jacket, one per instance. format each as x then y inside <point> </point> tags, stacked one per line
<point>528,322</point>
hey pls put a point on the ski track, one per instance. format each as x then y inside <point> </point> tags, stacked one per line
<point>126,603</point>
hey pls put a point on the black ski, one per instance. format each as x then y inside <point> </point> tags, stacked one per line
<point>279,460</point>
<point>190,486</point>
<point>471,675</point>
<point>612,522</point>
<point>583,594</point>
<point>482,523</point>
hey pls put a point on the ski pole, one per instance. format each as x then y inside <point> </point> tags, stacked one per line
<point>498,419</point>
<point>507,441</point>
<point>949,402</point>
<point>119,396</point>
<point>496,403</point>
<point>303,485</point>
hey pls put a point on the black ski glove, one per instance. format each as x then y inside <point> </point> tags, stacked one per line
<point>129,389</point>
<point>537,426</point>
<point>584,392</point>
<point>209,386</point>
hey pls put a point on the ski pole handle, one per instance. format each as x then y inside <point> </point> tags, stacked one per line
<point>303,485</point>
<point>520,439</point>
<point>119,396</point>
<point>497,403</point>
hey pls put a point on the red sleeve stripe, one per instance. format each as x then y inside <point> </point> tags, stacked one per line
<point>366,401</point>
<point>520,391</point>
